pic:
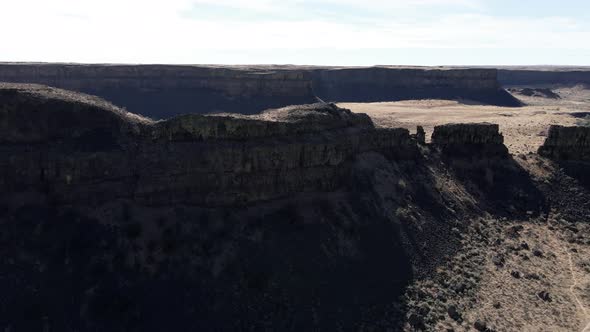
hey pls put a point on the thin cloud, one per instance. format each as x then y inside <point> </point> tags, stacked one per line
<point>147,31</point>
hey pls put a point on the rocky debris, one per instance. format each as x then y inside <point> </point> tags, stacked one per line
<point>514,231</point>
<point>498,260</point>
<point>543,295</point>
<point>504,242</point>
<point>454,313</point>
<point>537,252</point>
<point>480,326</point>
<point>567,143</point>
<point>417,322</point>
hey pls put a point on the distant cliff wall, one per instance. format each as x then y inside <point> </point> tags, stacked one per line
<point>163,91</point>
<point>390,84</point>
<point>508,77</point>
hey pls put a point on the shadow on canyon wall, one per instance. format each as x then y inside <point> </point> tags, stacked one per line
<point>81,249</point>
<point>327,261</point>
<point>166,103</point>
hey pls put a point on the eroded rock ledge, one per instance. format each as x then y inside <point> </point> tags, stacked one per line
<point>192,220</point>
<point>86,150</point>
<point>473,139</point>
<point>81,149</point>
<point>567,143</point>
<point>164,91</point>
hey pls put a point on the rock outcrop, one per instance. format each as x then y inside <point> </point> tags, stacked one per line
<point>567,143</point>
<point>164,91</point>
<point>535,76</point>
<point>398,83</point>
<point>299,218</point>
<point>87,151</point>
<point>473,139</point>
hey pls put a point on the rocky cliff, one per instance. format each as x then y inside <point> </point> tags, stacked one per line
<point>567,143</point>
<point>87,150</point>
<point>397,83</point>
<point>470,139</point>
<point>163,91</point>
<point>300,218</point>
<point>543,76</point>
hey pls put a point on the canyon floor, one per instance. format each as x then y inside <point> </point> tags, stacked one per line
<point>524,128</point>
<point>514,274</point>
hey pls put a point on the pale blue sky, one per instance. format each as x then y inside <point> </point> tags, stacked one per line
<point>321,32</point>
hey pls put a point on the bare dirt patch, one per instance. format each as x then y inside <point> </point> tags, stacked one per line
<point>524,128</point>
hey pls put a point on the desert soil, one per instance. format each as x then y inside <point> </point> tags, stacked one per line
<point>524,128</point>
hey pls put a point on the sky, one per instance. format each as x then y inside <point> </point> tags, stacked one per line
<point>303,32</point>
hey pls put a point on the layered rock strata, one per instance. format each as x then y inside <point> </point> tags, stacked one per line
<point>163,91</point>
<point>397,83</point>
<point>473,139</point>
<point>300,218</point>
<point>543,76</point>
<point>567,143</point>
<point>79,150</point>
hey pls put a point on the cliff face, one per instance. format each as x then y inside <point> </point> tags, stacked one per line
<point>470,140</point>
<point>301,218</point>
<point>545,76</point>
<point>390,84</point>
<point>567,143</point>
<point>82,150</point>
<point>162,91</point>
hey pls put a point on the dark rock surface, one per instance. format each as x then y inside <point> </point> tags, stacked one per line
<point>301,218</point>
<point>83,150</point>
<point>508,76</point>
<point>163,91</point>
<point>397,83</point>
<point>470,139</point>
<point>567,143</point>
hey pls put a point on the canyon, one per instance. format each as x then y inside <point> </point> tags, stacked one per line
<point>163,91</point>
<point>254,211</point>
